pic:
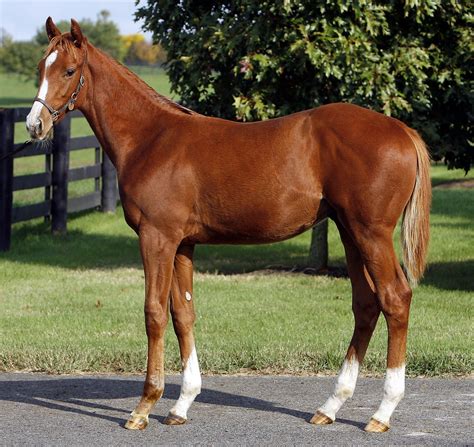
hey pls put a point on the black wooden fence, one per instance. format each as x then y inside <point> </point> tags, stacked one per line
<point>56,204</point>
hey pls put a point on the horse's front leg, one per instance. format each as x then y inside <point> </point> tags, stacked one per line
<point>158,254</point>
<point>182,311</point>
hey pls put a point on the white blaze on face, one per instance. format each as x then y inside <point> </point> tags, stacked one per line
<point>345,386</point>
<point>190,388</point>
<point>33,116</point>
<point>393,392</point>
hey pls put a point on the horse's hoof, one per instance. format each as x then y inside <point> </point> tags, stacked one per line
<point>320,419</point>
<point>173,419</point>
<point>375,426</point>
<point>136,421</point>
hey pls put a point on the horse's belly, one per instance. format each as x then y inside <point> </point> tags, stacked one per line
<point>258,222</point>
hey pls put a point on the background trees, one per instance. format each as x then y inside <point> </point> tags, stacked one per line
<point>21,57</point>
<point>103,33</point>
<point>250,60</point>
<point>140,52</point>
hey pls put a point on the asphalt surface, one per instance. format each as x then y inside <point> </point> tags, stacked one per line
<point>231,410</point>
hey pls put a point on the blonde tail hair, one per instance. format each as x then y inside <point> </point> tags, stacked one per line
<point>416,216</point>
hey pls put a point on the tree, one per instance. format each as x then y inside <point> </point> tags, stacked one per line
<point>5,37</point>
<point>252,60</point>
<point>20,58</point>
<point>103,33</point>
<point>249,60</point>
<point>140,52</point>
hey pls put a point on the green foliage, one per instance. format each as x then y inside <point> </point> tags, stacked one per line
<point>255,60</point>
<point>140,52</point>
<point>103,33</point>
<point>20,58</point>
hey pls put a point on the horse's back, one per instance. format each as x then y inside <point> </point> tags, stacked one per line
<point>268,181</point>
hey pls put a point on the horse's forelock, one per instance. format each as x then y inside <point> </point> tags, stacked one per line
<point>64,42</point>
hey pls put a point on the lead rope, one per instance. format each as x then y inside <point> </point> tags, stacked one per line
<point>18,149</point>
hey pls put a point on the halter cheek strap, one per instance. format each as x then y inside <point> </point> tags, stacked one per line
<point>72,100</point>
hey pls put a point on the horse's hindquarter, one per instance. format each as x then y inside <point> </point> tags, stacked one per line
<point>256,182</point>
<point>368,162</point>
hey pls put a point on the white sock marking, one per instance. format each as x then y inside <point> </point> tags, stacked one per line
<point>33,116</point>
<point>345,386</point>
<point>190,388</point>
<point>394,389</point>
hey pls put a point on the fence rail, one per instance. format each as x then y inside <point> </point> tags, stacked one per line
<point>56,204</point>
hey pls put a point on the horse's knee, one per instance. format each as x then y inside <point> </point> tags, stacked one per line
<point>155,322</point>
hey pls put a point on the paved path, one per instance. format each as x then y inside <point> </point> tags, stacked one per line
<point>242,411</point>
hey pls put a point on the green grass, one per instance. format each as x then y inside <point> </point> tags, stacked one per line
<point>441,175</point>
<point>75,303</point>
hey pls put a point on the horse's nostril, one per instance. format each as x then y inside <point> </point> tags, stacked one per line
<point>39,126</point>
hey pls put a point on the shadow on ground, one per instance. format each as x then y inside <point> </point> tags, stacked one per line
<point>455,275</point>
<point>33,244</point>
<point>67,394</point>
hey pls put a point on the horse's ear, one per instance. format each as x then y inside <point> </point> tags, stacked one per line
<point>51,29</point>
<point>76,33</point>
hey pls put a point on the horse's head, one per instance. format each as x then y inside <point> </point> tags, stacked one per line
<point>61,76</point>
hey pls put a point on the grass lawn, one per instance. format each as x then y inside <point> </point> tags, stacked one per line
<point>75,303</point>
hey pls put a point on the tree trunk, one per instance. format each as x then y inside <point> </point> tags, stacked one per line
<point>318,252</point>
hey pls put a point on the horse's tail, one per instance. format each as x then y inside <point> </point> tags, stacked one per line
<point>416,216</point>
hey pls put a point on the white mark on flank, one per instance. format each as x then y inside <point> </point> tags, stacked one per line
<point>190,388</point>
<point>33,116</point>
<point>345,385</point>
<point>188,296</point>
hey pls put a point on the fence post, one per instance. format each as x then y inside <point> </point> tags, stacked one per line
<point>109,185</point>
<point>318,252</point>
<point>7,125</point>
<point>62,134</point>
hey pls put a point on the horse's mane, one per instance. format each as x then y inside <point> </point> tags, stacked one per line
<point>153,93</point>
<point>64,41</point>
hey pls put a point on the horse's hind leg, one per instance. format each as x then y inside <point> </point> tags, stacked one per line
<point>366,312</point>
<point>375,244</point>
<point>182,312</point>
<point>394,295</point>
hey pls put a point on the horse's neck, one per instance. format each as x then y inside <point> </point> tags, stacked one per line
<point>121,110</point>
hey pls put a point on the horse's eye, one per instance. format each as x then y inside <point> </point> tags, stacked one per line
<point>70,72</point>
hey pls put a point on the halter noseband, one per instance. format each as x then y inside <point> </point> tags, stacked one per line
<point>72,100</point>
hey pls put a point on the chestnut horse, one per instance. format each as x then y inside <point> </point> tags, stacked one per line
<point>189,179</point>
